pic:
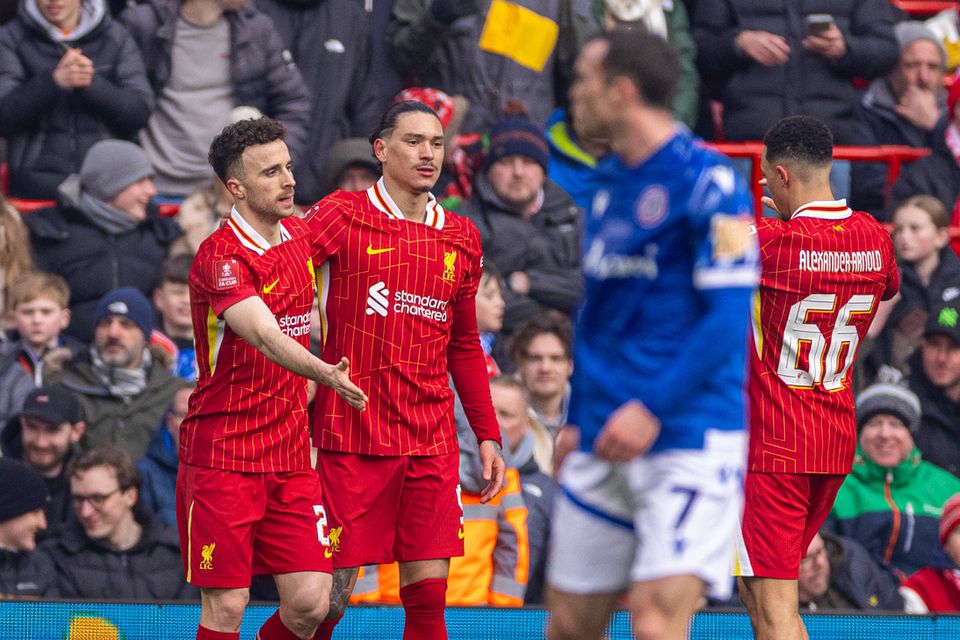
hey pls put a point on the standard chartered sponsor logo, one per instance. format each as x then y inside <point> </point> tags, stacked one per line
<point>405,302</point>
<point>295,326</point>
<point>377,300</point>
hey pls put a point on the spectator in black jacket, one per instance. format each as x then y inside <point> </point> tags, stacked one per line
<point>69,76</point>
<point>907,106</point>
<point>105,233</point>
<point>529,226</point>
<point>939,173</point>
<point>44,437</point>
<point>838,573</point>
<point>23,571</point>
<point>935,378</point>
<point>770,66</point>
<point>331,44</point>
<point>114,552</point>
<point>203,58</point>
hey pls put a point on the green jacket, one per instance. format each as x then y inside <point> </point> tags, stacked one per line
<point>128,422</point>
<point>895,512</point>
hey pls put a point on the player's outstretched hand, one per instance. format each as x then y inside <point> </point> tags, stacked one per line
<point>629,432</point>
<point>493,469</point>
<point>338,378</point>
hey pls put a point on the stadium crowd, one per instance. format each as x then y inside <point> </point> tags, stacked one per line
<point>106,113</point>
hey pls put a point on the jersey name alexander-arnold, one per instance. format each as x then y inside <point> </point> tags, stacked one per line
<point>840,261</point>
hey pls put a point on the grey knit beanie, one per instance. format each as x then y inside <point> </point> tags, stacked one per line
<point>111,166</point>
<point>890,399</point>
<point>911,30</point>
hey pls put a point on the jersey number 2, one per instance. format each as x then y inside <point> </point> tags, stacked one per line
<point>831,370</point>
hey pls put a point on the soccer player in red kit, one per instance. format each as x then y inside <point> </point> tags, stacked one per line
<point>824,270</point>
<point>247,500</point>
<point>397,280</point>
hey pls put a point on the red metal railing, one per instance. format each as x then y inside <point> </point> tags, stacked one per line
<point>923,7</point>
<point>893,155</point>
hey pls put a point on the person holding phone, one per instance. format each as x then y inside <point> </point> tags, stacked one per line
<point>767,65</point>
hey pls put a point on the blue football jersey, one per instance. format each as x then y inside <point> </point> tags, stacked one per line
<point>670,266</point>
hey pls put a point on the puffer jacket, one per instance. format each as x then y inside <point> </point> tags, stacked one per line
<point>50,129</point>
<point>756,96</point>
<point>150,570</point>
<point>26,574</point>
<point>895,512</point>
<point>158,476</point>
<point>939,435</point>
<point>263,71</point>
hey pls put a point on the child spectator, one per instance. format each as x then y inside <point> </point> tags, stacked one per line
<point>490,307</point>
<point>40,304</point>
<point>930,276</point>
<point>933,590</point>
<point>172,301</point>
<point>15,259</point>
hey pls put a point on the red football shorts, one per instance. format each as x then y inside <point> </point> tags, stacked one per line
<point>781,514</point>
<point>387,508</point>
<point>236,525</point>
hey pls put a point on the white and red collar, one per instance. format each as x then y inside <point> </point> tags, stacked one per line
<point>824,209</point>
<point>378,195</point>
<point>250,237</point>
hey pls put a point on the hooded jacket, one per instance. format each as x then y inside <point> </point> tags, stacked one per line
<point>878,123</point>
<point>50,129</point>
<point>546,248</point>
<point>895,512</point>
<point>65,241</point>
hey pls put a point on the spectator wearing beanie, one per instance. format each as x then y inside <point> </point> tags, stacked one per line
<point>123,393</point>
<point>907,106</point>
<point>105,231</point>
<point>890,503</point>
<point>23,571</point>
<point>530,228</point>
<point>938,174</point>
<point>933,590</point>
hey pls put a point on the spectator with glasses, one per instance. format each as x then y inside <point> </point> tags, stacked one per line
<point>115,550</point>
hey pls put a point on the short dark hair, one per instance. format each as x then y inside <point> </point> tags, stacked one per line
<point>227,148</point>
<point>647,60</point>
<point>802,139</point>
<point>108,455</point>
<point>176,269</point>
<point>388,121</point>
<point>552,322</point>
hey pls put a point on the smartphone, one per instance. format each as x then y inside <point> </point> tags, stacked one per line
<point>817,23</point>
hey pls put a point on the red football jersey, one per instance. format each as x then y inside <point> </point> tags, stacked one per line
<point>823,273</point>
<point>397,298</point>
<point>247,413</point>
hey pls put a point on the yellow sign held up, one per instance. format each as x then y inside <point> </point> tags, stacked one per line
<point>524,36</point>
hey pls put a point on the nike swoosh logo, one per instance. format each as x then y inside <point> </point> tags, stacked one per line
<point>327,554</point>
<point>372,252</point>
<point>267,288</point>
<point>460,534</point>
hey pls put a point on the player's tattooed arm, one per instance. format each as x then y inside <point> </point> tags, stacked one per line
<point>343,582</point>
